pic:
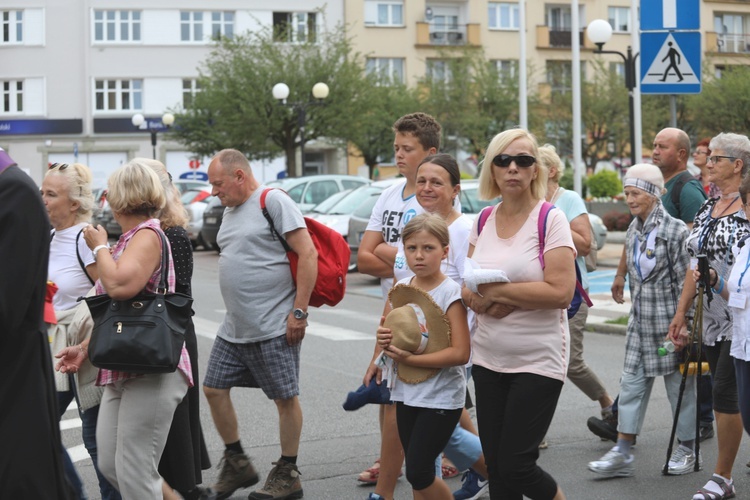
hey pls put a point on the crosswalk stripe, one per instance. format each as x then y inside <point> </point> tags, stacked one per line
<point>70,423</point>
<point>207,329</point>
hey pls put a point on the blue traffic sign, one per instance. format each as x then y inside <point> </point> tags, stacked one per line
<point>671,63</point>
<point>659,15</point>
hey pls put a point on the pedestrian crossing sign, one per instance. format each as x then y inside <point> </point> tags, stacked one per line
<point>671,63</point>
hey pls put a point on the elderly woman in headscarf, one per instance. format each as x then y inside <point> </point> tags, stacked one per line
<point>656,264</point>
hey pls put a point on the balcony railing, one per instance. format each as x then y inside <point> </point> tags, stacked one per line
<point>556,38</point>
<point>729,43</point>
<point>447,34</point>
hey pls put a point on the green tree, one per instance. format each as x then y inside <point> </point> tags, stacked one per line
<point>471,99</point>
<point>371,130</point>
<point>235,107</point>
<point>724,103</point>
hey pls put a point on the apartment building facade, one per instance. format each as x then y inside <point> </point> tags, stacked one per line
<point>74,72</point>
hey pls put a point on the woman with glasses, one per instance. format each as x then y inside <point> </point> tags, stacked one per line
<point>700,160</point>
<point>656,266</point>
<point>520,345</point>
<point>66,192</point>
<point>719,224</point>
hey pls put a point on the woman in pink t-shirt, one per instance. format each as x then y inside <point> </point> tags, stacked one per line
<point>520,347</point>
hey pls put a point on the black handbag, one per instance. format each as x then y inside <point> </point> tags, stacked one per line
<point>143,334</point>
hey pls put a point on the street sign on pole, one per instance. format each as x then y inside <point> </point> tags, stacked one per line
<point>671,63</point>
<point>659,15</point>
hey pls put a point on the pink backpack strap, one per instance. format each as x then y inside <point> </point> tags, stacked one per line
<point>541,224</point>
<point>483,216</point>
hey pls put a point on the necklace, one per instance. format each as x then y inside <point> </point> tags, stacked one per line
<point>728,206</point>
<point>554,195</point>
<point>727,196</point>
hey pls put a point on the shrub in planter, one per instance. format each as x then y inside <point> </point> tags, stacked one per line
<point>604,184</point>
<point>617,221</point>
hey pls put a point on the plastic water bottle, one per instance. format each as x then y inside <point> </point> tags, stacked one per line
<point>666,348</point>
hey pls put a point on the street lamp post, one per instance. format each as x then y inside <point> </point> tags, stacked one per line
<point>599,32</point>
<point>319,93</point>
<point>138,121</point>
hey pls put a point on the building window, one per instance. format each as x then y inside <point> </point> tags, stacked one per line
<point>438,70</point>
<point>619,19</point>
<point>190,87</point>
<point>191,26</point>
<point>12,26</point>
<point>118,95</point>
<point>222,25</point>
<point>117,26</point>
<point>731,32</point>
<point>294,27</point>
<point>12,96</point>
<point>384,13</point>
<point>388,69</point>
<point>506,69</point>
<point>503,16</point>
<point>559,76</point>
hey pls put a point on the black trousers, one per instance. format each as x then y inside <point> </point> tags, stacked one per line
<point>514,411</point>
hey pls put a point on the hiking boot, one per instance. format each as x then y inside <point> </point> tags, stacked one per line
<point>283,483</point>
<point>706,432</point>
<point>236,472</point>
<point>605,428</point>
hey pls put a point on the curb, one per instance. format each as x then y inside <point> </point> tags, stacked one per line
<point>606,328</point>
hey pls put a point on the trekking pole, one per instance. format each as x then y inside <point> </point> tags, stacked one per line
<point>694,345</point>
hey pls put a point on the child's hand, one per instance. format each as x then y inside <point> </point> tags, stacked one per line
<point>384,336</point>
<point>373,371</point>
<point>397,354</point>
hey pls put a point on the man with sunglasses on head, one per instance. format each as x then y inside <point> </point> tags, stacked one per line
<point>683,198</point>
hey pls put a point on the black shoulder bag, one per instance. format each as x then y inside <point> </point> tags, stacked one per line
<point>143,334</point>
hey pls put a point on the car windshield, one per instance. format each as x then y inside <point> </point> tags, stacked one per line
<point>189,196</point>
<point>351,202</point>
<point>470,202</point>
<point>365,209</point>
<point>325,206</point>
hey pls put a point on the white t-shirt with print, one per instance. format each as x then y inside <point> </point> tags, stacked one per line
<point>389,216</point>
<point>447,389</point>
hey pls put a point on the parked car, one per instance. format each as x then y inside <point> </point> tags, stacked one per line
<point>471,205</point>
<point>337,215</point>
<point>195,202</point>
<point>212,216</point>
<point>311,190</point>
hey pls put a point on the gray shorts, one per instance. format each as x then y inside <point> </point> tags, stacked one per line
<point>272,365</point>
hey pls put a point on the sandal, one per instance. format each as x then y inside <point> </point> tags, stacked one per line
<point>371,475</point>
<point>447,469</point>
<point>727,490</point>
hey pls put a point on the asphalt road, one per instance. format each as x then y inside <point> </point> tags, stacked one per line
<point>337,445</point>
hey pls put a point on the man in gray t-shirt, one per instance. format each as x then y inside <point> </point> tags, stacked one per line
<point>258,343</point>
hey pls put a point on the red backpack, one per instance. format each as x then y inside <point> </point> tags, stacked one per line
<point>333,259</point>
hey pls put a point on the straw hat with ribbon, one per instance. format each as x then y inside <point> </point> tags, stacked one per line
<point>418,325</point>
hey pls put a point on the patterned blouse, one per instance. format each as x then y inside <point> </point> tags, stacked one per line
<point>105,376</point>
<point>714,237</point>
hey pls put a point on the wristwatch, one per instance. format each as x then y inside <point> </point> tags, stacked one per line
<point>300,314</point>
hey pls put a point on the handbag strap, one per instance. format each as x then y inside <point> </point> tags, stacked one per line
<point>274,233</point>
<point>80,260</point>
<point>163,283</point>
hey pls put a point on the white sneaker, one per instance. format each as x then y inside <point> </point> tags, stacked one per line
<point>613,464</point>
<point>682,462</point>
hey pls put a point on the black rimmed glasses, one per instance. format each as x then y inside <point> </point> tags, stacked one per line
<point>715,158</point>
<point>522,161</point>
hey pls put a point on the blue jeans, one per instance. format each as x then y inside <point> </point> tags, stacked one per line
<point>88,433</point>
